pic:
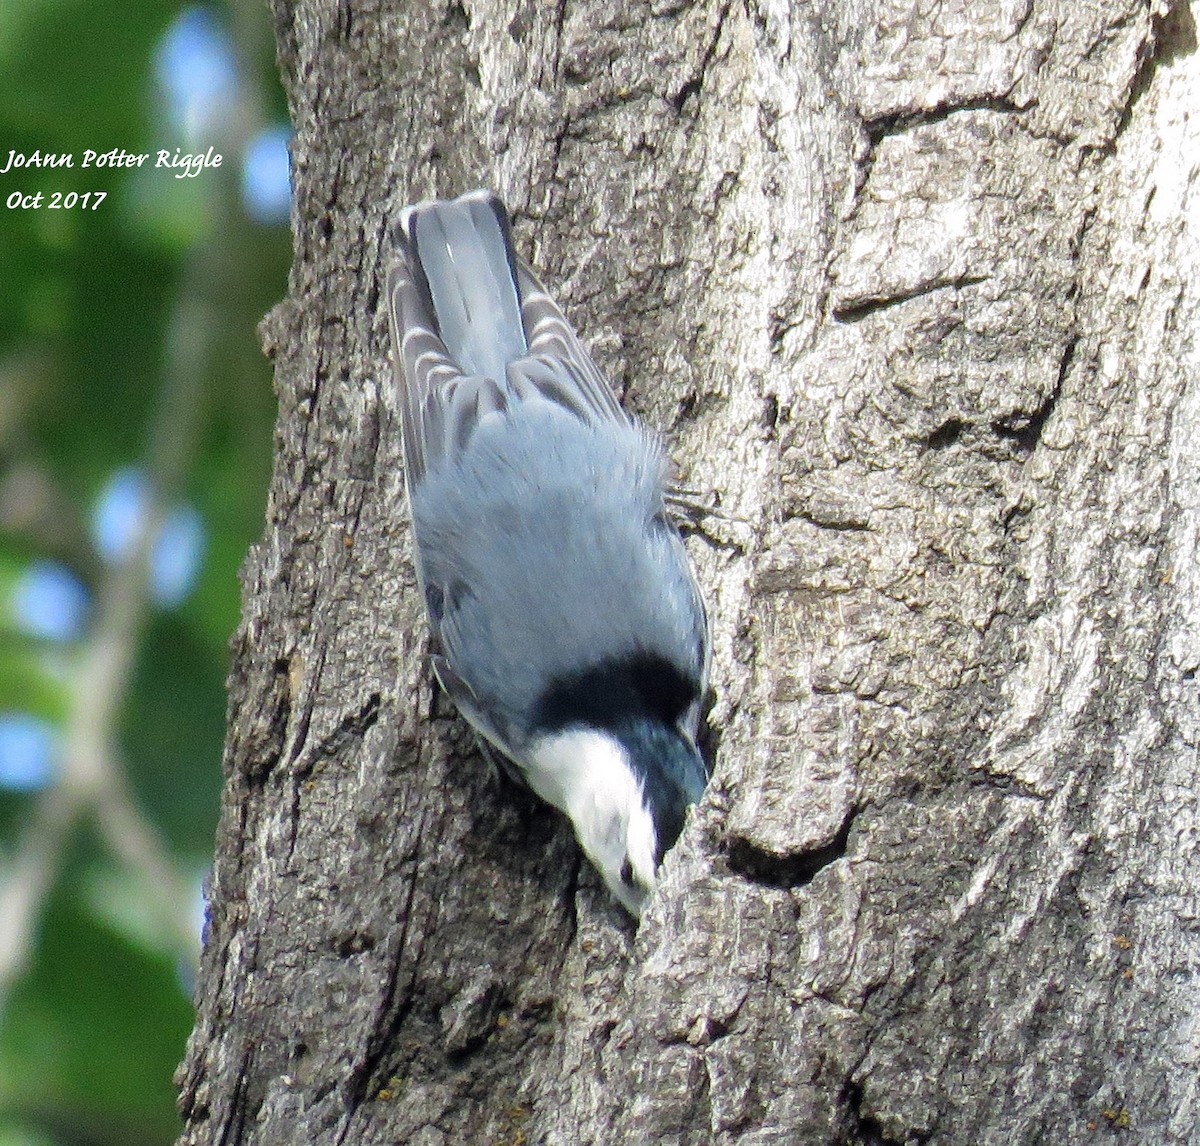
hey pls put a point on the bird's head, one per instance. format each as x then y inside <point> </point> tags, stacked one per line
<point>626,790</point>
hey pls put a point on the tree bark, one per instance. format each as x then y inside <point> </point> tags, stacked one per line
<point>912,289</point>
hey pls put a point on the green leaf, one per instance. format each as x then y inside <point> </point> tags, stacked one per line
<point>100,98</point>
<point>33,681</point>
<point>78,1049</point>
<point>14,1132</point>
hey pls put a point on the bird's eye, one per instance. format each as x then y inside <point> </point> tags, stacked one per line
<point>627,873</point>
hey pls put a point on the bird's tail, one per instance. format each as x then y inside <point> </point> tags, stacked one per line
<point>461,256</point>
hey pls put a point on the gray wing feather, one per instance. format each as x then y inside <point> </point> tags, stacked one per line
<point>455,313</point>
<point>423,367</point>
<point>558,364</point>
<point>474,329</point>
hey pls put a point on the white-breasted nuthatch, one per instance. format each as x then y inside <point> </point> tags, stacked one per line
<point>566,621</point>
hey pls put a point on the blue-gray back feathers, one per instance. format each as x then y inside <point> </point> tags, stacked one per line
<point>590,571</point>
<point>543,540</point>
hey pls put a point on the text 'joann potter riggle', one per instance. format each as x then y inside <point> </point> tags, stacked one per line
<point>188,165</point>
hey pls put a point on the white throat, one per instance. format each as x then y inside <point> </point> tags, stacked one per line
<point>586,773</point>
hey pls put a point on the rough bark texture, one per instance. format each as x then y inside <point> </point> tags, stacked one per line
<point>911,286</point>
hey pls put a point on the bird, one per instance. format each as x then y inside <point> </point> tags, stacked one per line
<point>566,621</point>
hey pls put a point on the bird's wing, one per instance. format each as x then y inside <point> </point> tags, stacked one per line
<point>475,330</point>
<point>452,296</point>
<point>558,365</point>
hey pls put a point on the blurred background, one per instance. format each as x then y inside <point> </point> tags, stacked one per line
<point>136,418</point>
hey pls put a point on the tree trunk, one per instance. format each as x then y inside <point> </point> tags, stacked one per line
<point>912,289</point>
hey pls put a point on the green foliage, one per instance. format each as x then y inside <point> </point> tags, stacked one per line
<point>77,90</point>
<point>93,1032</point>
<point>92,1029</point>
<point>167,711</point>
